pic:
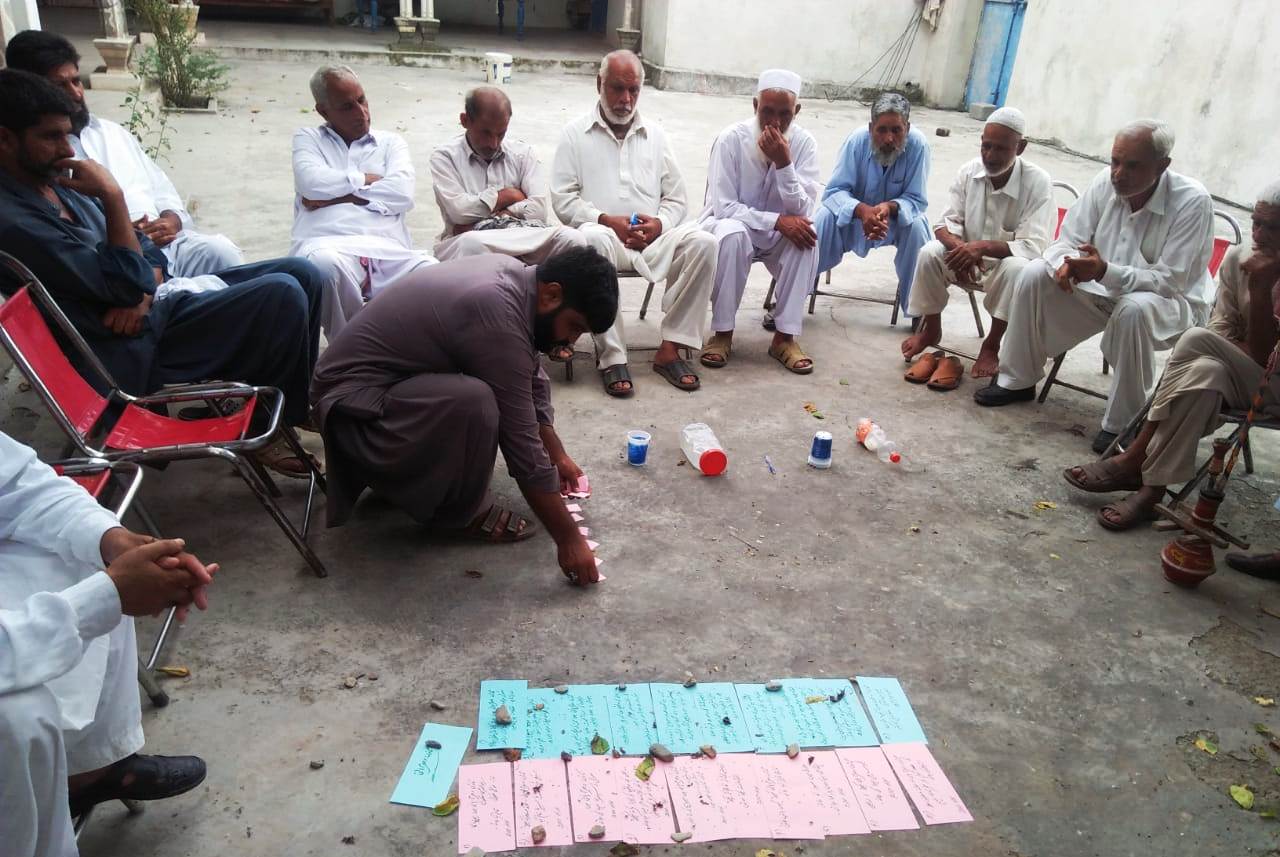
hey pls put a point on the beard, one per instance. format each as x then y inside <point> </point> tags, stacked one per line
<point>47,171</point>
<point>615,118</point>
<point>886,157</point>
<point>544,331</point>
<point>995,174</point>
<point>80,119</point>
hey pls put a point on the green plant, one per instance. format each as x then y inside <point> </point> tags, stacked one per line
<point>187,77</point>
<point>146,122</point>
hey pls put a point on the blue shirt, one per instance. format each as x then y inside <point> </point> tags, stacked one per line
<point>858,177</point>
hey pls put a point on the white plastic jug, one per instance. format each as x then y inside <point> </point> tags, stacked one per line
<point>497,68</point>
<point>703,449</point>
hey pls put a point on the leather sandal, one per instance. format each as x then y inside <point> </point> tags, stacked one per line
<point>922,370</point>
<point>948,375</point>
<point>150,778</point>
<point>1129,513</point>
<point>1101,477</point>
<point>790,354</point>
<point>675,371</point>
<point>614,374</point>
<point>720,345</point>
<point>502,524</point>
<point>560,354</point>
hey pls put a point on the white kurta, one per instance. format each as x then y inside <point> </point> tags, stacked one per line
<point>1022,213</point>
<point>596,173</point>
<point>466,188</point>
<point>148,192</point>
<point>745,196</point>
<point>360,249</point>
<point>68,660</point>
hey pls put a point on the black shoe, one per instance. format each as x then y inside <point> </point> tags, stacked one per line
<point>993,395</point>
<point>154,778</point>
<point>1265,566</point>
<point>768,324</point>
<point>1102,440</point>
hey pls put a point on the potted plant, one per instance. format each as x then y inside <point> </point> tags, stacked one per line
<point>188,78</point>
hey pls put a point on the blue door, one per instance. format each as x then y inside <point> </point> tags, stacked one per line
<point>994,51</point>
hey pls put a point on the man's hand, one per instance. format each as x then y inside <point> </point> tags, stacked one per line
<point>1086,268</point>
<point>89,178</point>
<point>370,178</point>
<point>577,561</point>
<point>349,199</point>
<point>1262,269</point>
<point>508,197</point>
<point>1062,277</point>
<point>127,321</point>
<point>797,229</point>
<point>965,261</point>
<point>775,147</point>
<point>117,540</point>
<point>162,230</point>
<point>644,233</point>
<point>159,574</point>
<point>620,224</point>
<point>568,470</point>
<point>875,220</point>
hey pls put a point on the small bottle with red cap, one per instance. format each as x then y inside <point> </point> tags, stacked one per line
<point>703,449</point>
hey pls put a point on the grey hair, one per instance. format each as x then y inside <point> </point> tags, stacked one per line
<point>1270,195</point>
<point>320,80</point>
<point>621,54</point>
<point>891,102</point>
<point>1161,134</point>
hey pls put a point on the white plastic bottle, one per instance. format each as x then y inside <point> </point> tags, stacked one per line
<point>703,450</point>
<point>872,437</point>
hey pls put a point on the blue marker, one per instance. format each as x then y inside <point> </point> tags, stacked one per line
<point>635,220</point>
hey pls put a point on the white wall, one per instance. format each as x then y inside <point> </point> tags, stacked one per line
<point>537,13</point>
<point>830,41</point>
<point>1207,67</point>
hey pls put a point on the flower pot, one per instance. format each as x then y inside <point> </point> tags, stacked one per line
<point>211,107</point>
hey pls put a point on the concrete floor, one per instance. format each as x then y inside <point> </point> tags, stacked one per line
<point>1061,680</point>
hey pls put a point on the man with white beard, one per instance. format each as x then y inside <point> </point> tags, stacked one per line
<point>1000,216</point>
<point>762,186</point>
<point>876,197</point>
<point>615,177</point>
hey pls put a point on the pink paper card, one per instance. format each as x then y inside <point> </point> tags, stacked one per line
<point>592,545</point>
<point>832,794</point>
<point>593,795</point>
<point>789,801</point>
<point>572,507</point>
<point>716,798</point>
<point>929,788</point>
<point>586,531</point>
<point>542,798</point>
<point>576,517</point>
<point>645,806</point>
<point>876,789</point>
<point>582,490</point>
<point>486,811</point>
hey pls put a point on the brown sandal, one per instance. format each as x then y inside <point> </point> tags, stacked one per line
<point>922,370</point>
<point>500,525</point>
<point>280,458</point>
<point>790,354</point>
<point>1128,514</point>
<point>1101,477</point>
<point>715,354</point>
<point>948,375</point>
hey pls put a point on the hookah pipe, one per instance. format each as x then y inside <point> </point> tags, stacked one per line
<point>1188,559</point>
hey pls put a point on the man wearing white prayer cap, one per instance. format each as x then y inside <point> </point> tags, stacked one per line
<point>1000,215</point>
<point>762,188</point>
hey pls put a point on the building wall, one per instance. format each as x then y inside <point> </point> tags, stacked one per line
<point>1204,67</point>
<point>537,13</point>
<point>826,41</point>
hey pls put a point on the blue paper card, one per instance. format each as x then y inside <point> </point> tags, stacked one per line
<point>631,718</point>
<point>810,712</point>
<point>429,773</point>
<point>890,711</point>
<point>567,722</point>
<point>491,735</point>
<point>689,717</point>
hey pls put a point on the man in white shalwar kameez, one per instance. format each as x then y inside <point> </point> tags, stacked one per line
<point>762,188</point>
<point>492,191</point>
<point>70,722</point>
<point>615,177</point>
<point>354,185</point>
<point>1131,262</point>
<point>154,204</point>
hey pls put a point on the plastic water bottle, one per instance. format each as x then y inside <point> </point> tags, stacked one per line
<point>704,452</point>
<point>872,437</point>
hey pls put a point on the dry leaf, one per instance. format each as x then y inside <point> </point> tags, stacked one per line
<point>810,700</point>
<point>1044,505</point>
<point>1264,701</point>
<point>645,769</point>
<point>1262,728</point>
<point>449,806</point>
<point>1242,796</point>
<point>472,573</point>
<point>599,746</point>
<point>624,849</point>
<point>1207,745</point>
<point>176,672</point>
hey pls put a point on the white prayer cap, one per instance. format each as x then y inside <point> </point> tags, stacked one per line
<point>1009,117</point>
<point>779,78</point>
<point>1271,194</point>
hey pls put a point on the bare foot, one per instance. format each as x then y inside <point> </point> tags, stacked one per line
<point>929,335</point>
<point>988,363</point>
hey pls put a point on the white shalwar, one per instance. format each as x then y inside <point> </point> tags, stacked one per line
<point>68,659</point>
<point>1156,285</point>
<point>467,187</point>
<point>360,249</point>
<point>1022,213</point>
<point>746,194</point>
<point>148,192</point>
<point>595,173</point>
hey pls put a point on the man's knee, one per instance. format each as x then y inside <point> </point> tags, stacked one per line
<point>327,265</point>
<point>1194,343</point>
<point>731,237</point>
<point>566,238</point>
<point>222,250</point>
<point>1128,316</point>
<point>700,245</point>
<point>474,403</point>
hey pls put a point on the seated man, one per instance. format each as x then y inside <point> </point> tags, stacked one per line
<point>616,178</point>
<point>1131,262</point>
<point>1000,216</point>
<point>75,235</point>
<point>762,186</point>
<point>492,192</point>
<point>154,204</point>
<point>354,187</point>
<point>1208,369</point>
<point>70,723</point>
<point>877,195</point>
<point>422,389</point>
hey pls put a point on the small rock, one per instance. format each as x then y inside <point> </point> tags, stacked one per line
<point>502,716</point>
<point>437,706</point>
<point>476,852</point>
<point>373,676</point>
<point>689,680</point>
<point>681,836</point>
<point>615,753</point>
<point>433,744</point>
<point>661,753</point>
<point>943,132</point>
<point>596,832</point>
<point>566,756</point>
<point>773,686</point>
<point>708,751</point>
<point>511,754</point>
<point>348,840</point>
<point>538,834</point>
<point>793,750</point>
<point>317,764</point>
<point>726,721</point>
<point>561,688</point>
<point>538,706</point>
<point>349,682</point>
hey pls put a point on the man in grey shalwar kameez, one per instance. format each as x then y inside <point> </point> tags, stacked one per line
<point>416,395</point>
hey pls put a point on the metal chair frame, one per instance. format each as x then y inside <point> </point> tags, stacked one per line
<point>237,453</point>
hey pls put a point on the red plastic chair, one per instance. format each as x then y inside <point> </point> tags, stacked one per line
<point>140,435</point>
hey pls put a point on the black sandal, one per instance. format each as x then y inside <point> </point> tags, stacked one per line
<point>674,371</point>
<point>561,354</point>
<point>502,524</point>
<point>614,374</point>
<point>154,778</point>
